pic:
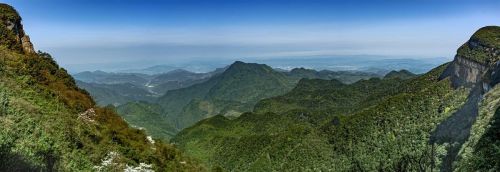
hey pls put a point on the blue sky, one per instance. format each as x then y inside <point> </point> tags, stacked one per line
<point>88,32</point>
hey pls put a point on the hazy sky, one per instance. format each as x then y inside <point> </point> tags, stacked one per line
<point>115,31</point>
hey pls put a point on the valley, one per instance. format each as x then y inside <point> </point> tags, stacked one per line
<point>268,113</point>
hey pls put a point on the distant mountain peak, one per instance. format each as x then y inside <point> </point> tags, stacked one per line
<point>401,74</point>
<point>239,65</point>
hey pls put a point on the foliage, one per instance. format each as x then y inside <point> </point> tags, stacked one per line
<point>8,38</point>
<point>483,46</point>
<point>229,93</point>
<point>488,36</point>
<point>149,117</point>
<point>402,74</point>
<point>323,125</point>
<point>44,127</point>
<point>7,12</point>
<point>479,151</point>
<point>486,156</point>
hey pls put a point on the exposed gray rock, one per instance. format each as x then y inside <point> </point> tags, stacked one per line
<point>21,37</point>
<point>464,72</point>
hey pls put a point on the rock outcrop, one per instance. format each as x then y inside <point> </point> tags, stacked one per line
<point>12,30</point>
<point>477,61</point>
<point>476,66</point>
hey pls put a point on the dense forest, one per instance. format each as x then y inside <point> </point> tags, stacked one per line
<point>399,123</point>
<point>248,116</point>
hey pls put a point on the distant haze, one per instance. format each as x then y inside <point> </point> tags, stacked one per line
<point>117,35</point>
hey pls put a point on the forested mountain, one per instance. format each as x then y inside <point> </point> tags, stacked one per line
<point>49,124</point>
<point>434,121</point>
<point>234,91</point>
<point>402,74</point>
<point>249,116</point>
<point>237,89</point>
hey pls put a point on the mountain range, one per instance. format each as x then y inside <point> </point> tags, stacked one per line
<point>442,120</point>
<point>119,88</point>
<point>248,116</point>
<point>237,89</point>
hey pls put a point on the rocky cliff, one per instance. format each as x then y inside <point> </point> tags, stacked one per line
<point>476,61</point>
<point>12,32</point>
<point>475,66</point>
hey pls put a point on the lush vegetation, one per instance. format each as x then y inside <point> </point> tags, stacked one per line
<point>150,116</point>
<point>322,125</point>
<point>402,74</point>
<point>483,46</point>
<point>42,127</point>
<point>49,124</point>
<point>9,39</point>
<point>390,124</point>
<point>229,93</point>
<point>481,152</point>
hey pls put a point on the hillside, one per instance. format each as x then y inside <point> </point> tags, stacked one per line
<point>237,89</point>
<point>417,124</point>
<point>234,91</point>
<point>142,115</point>
<point>49,124</point>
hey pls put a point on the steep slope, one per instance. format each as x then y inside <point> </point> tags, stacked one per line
<point>336,134</point>
<point>478,61</point>
<point>236,90</point>
<point>230,92</point>
<point>149,116</point>
<point>49,124</point>
<point>474,67</point>
<point>418,124</point>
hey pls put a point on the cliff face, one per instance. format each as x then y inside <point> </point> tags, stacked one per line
<point>464,72</point>
<point>477,61</point>
<point>12,30</point>
<point>475,66</point>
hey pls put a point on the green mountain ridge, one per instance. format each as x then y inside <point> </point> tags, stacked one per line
<point>237,89</point>
<point>402,74</point>
<point>375,125</point>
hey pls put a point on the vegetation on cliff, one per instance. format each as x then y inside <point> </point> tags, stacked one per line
<point>49,124</point>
